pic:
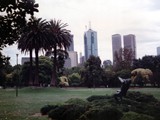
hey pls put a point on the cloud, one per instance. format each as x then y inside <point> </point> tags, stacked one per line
<point>155,5</point>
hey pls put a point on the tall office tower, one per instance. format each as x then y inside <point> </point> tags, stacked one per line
<point>130,43</point>
<point>90,43</point>
<point>158,50</point>
<point>71,47</point>
<point>116,46</point>
<point>72,60</point>
<point>81,58</point>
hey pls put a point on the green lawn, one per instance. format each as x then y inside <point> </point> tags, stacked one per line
<point>30,100</point>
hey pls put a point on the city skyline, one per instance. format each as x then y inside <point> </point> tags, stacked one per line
<point>138,17</point>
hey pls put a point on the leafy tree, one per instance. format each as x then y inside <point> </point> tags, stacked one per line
<point>147,62</point>
<point>152,63</point>
<point>5,69</point>
<point>24,75</point>
<point>69,71</point>
<point>124,73</point>
<point>156,73</point>
<point>13,17</point>
<point>15,76</point>
<point>45,67</point>
<point>124,59</point>
<point>75,79</point>
<point>35,36</point>
<point>92,72</point>
<point>108,78</point>
<point>61,39</point>
<point>61,56</point>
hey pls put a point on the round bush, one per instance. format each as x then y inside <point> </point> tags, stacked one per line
<point>97,97</point>
<point>136,116</point>
<point>67,112</point>
<point>77,101</point>
<point>140,97</point>
<point>47,108</point>
<point>107,113</point>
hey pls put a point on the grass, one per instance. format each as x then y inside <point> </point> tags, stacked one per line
<point>30,100</point>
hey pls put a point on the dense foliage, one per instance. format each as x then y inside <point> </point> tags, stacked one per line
<point>136,106</point>
<point>152,63</point>
<point>91,74</point>
<point>13,18</point>
<point>45,67</point>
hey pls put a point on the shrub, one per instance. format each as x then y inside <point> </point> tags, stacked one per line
<point>140,97</point>
<point>97,97</point>
<point>75,79</point>
<point>136,116</point>
<point>77,101</point>
<point>47,108</point>
<point>109,113</point>
<point>67,112</point>
<point>151,108</point>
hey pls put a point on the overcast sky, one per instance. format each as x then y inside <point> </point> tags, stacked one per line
<point>107,17</point>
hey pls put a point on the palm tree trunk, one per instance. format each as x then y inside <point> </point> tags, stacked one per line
<point>30,69</point>
<point>36,82</point>
<point>54,74</point>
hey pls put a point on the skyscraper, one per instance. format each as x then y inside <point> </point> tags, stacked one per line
<point>158,50</point>
<point>71,47</point>
<point>90,43</point>
<point>72,59</point>
<point>116,45</point>
<point>130,43</point>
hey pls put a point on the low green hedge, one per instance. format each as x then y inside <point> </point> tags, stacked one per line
<point>67,112</point>
<point>136,116</point>
<point>135,106</point>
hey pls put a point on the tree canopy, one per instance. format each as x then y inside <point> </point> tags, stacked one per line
<point>13,17</point>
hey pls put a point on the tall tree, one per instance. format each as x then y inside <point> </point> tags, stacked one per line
<point>13,15</point>
<point>124,59</point>
<point>92,72</point>
<point>35,36</point>
<point>61,39</point>
<point>13,18</point>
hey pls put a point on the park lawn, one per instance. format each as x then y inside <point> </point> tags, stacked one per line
<point>29,101</point>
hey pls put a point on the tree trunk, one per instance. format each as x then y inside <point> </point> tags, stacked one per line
<point>36,81</point>
<point>54,74</point>
<point>30,69</point>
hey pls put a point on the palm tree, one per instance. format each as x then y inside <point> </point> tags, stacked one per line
<point>61,39</point>
<point>35,37</point>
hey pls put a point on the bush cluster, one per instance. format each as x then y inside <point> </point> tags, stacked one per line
<point>97,97</point>
<point>104,113</point>
<point>136,116</point>
<point>140,97</point>
<point>47,108</point>
<point>67,112</point>
<point>135,106</point>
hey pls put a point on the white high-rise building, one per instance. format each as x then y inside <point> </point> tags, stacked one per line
<point>90,43</point>
<point>74,58</point>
